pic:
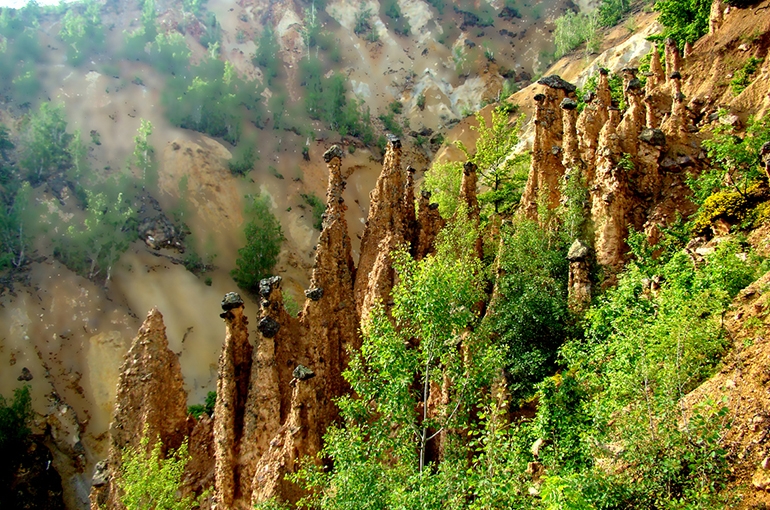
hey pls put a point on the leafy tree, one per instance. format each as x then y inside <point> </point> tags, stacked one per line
<point>15,417</point>
<point>263,245</point>
<point>267,56</point>
<point>684,20</point>
<point>94,246</point>
<point>43,144</point>
<point>148,480</point>
<point>495,161</point>
<point>443,181</point>
<point>143,157</point>
<point>530,316</point>
<point>15,227</point>
<point>736,161</point>
<point>82,32</point>
<point>612,11</point>
<point>380,453</point>
<point>573,29</point>
<point>243,160</point>
<point>207,407</point>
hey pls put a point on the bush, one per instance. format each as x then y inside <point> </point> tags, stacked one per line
<point>317,208</point>
<point>243,161</point>
<point>148,480</point>
<point>196,410</point>
<point>15,417</point>
<point>684,20</point>
<point>263,245</point>
<point>742,77</point>
<point>573,29</point>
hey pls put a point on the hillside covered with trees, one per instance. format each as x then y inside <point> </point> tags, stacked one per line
<point>570,315</point>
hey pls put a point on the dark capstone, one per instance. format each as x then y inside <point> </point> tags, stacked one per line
<point>654,137</point>
<point>765,149</point>
<point>589,97</point>
<point>555,150</point>
<point>303,373</point>
<point>231,300</point>
<point>335,151</point>
<point>556,82</point>
<point>433,206</point>
<point>634,84</point>
<point>568,104</point>
<point>630,70</point>
<point>26,375</point>
<point>101,474</point>
<point>578,251</point>
<point>394,141</point>
<point>314,294</point>
<point>469,168</point>
<point>604,71</point>
<point>539,97</point>
<point>676,75</point>
<point>266,285</point>
<point>268,327</point>
<point>425,194</point>
<point>410,169</point>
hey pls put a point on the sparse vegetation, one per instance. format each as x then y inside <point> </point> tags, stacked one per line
<point>574,29</point>
<point>742,77</point>
<point>317,208</point>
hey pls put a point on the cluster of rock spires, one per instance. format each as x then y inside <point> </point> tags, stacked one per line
<point>633,163</point>
<point>274,393</point>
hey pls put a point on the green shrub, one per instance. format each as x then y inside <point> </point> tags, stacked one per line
<point>148,480</point>
<point>243,160</point>
<point>742,77</point>
<point>263,245</point>
<point>15,418</point>
<point>684,20</point>
<point>197,410</point>
<point>317,208</point>
<point>573,29</point>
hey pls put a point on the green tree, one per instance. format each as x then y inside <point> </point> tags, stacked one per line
<point>94,246</point>
<point>494,158</point>
<point>143,157</point>
<point>267,56</point>
<point>573,29</point>
<point>82,32</point>
<point>263,245</point>
<point>443,181</point>
<point>15,418</point>
<point>147,480</point>
<point>684,20</point>
<point>15,228</point>
<point>43,144</point>
<point>380,452</point>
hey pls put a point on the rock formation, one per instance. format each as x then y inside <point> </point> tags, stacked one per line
<point>151,401</point>
<point>631,161</point>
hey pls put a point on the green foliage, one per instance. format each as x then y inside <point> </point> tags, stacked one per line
<point>19,52</point>
<point>215,100</point>
<point>421,101</point>
<point>92,246</point>
<point>317,208</point>
<point>399,23</point>
<point>390,124</point>
<point>263,244</point>
<point>267,56</point>
<point>615,81</point>
<point>439,5</point>
<point>530,317</point>
<point>742,77</point>
<point>143,157</point>
<point>612,11</point>
<point>15,417</point>
<point>148,480</point>
<point>243,160</point>
<point>735,160</point>
<point>197,410</point>
<point>325,99</point>
<point>363,27</point>
<point>16,221</point>
<point>43,144</point>
<point>443,181</point>
<point>81,30</point>
<point>684,20</point>
<point>378,451</point>
<point>573,29</point>
<point>503,172</point>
